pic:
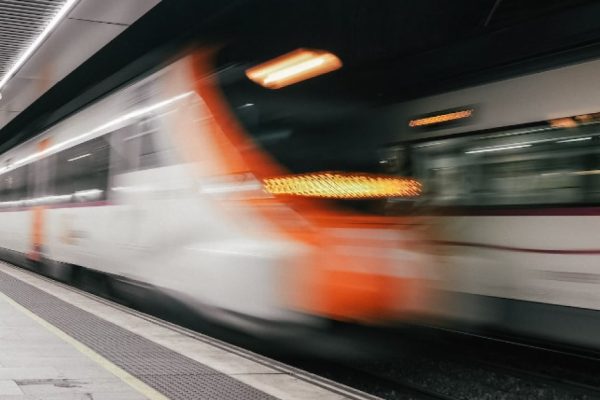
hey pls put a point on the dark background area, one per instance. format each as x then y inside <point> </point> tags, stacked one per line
<point>392,50</point>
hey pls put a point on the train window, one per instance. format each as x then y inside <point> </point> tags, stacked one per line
<point>124,152</point>
<point>82,172</point>
<point>149,155</point>
<point>137,147</point>
<point>14,187</point>
<point>134,150</point>
<point>549,179</point>
<point>42,180</point>
<point>556,166</point>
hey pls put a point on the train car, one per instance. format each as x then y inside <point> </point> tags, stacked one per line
<point>175,184</point>
<point>511,187</point>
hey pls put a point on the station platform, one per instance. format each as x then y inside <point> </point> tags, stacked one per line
<point>57,342</point>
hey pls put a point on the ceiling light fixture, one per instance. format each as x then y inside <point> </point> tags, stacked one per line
<point>66,7</point>
<point>293,67</point>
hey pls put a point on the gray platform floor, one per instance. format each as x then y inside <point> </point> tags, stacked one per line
<point>57,343</point>
<point>37,364</point>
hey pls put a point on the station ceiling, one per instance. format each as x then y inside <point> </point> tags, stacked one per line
<point>402,49</point>
<point>87,27</point>
<point>20,23</point>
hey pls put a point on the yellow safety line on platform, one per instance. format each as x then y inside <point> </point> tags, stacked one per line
<point>125,376</point>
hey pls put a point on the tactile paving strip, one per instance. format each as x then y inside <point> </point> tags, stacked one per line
<point>172,374</point>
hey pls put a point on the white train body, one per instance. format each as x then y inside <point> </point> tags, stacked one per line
<point>147,185</point>
<point>515,188</point>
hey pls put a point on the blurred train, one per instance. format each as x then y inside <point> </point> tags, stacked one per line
<point>511,188</point>
<point>266,209</point>
<point>173,183</point>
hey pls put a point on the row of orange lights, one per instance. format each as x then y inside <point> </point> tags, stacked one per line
<point>342,186</point>
<point>438,119</point>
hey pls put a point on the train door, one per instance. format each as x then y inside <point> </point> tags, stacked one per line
<point>131,188</point>
<point>40,181</point>
<point>138,185</point>
<point>81,184</point>
<point>123,161</point>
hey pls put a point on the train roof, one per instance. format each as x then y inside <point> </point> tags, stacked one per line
<point>529,99</point>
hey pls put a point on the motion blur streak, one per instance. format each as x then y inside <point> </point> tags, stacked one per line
<point>342,186</point>
<point>325,279</point>
<point>160,185</point>
<point>115,122</point>
<point>293,67</point>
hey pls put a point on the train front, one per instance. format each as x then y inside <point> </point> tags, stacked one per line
<point>302,169</point>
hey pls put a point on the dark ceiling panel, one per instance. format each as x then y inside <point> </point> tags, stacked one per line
<point>392,50</point>
<point>511,12</point>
